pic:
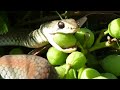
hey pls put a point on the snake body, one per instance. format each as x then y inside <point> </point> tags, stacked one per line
<point>39,37</point>
<point>26,38</point>
<point>26,67</point>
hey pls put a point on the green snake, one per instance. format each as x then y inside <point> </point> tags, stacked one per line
<point>30,66</point>
<point>42,36</point>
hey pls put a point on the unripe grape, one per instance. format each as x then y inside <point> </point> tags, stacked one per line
<point>111,64</point>
<point>89,73</point>
<point>56,57</point>
<point>65,40</point>
<point>114,28</point>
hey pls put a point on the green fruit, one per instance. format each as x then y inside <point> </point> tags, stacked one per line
<point>65,40</point>
<point>80,72</point>
<point>75,60</point>
<point>85,36</point>
<point>56,57</point>
<point>89,73</point>
<point>71,74</point>
<point>111,64</point>
<point>114,28</point>
<point>100,77</point>
<point>16,51</point>
<point>61,72</point>
<point>109,75</point>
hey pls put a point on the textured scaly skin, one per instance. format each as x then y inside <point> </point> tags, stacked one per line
<point>26,38</point>
<point>25,67</point>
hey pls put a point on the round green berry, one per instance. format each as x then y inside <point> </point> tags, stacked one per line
<point>76,60</point>
<point>85,36</point>
<point>109,75</point>
<point>89,73</point>
<point>61,72</point>
<point>56,57</point>
<point>100,77</point>
<point>111,64</point>
<point>16,51</point>
<point>65,40</point>
<point>114,28</point>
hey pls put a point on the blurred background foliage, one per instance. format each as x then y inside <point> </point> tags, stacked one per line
<point>33,19</point>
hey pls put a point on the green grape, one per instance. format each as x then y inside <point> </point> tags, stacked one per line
<point>80,72</point>
<point>100,77</point>
<point>89,73</point>
<point>56,57</point>
<point>109,75</point>
<point>16,51</point>
<point>85,36</point>
<point>75,60</point>
<point>71,74</point>
<point>114,28</point>
<point>61,72</point>
<point>111,64</point>
<point>65,40</point>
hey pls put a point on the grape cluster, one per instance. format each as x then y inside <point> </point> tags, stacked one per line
<point>82,63</point>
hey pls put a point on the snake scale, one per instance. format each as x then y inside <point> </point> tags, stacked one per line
<point>31,66</point>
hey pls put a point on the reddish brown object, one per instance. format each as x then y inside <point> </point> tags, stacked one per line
<point>25,67</point>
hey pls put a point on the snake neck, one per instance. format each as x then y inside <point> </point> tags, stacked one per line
<point>26,38</point>
<point>36,39</point>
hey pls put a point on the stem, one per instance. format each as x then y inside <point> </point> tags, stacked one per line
<point>84,51</point>
<point>102,33</point>
<point>68,66</point>
<point>100,45</point>
<point>59,15</point>
<point>106,32</point>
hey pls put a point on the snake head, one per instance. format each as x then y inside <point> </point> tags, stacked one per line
<point>65,26</point>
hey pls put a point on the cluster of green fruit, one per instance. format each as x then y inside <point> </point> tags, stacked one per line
<point>75,65</point>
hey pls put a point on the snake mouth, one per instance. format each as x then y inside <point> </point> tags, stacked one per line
<point>73,30</point>
<point>70,49</point>
<point>66,31</point>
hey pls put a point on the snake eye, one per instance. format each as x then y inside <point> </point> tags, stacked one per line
<point>61,25</point>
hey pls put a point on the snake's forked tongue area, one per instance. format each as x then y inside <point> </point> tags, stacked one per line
<point>26,67</point>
